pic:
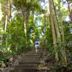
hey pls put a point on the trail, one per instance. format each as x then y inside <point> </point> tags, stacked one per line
<point>32,62</point>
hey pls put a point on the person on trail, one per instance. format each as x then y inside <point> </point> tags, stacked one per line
<point>36,46</point>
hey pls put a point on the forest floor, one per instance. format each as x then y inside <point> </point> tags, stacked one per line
<point>31,61</point>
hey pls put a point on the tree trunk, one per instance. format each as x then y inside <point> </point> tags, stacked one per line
<point>53,30</point>
<point>7,12</point>
<point>25,20</point>
<point>56,34</point>
<point>6,7</point>
<point>70,11</point>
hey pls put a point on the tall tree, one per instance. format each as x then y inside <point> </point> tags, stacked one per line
<point>25,6</point>
<point>53,29</point>
<point>57,39</point>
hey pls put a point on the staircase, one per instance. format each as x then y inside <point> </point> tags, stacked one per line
<point>30,62</point>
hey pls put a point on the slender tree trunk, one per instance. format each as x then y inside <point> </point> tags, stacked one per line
<point>1,27</point>
<point>63,49</point>
<point>9,10</point>
<point>61,40</point>
<point>53,29</point>
<point>25,31</point>
<point>56,24</point>
<point>6,22</point>
<point>25,19</point>
<point>7,15</point>
<point>56,34</point>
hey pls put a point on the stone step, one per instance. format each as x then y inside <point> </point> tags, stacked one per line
<point>29,61</point>
<point>27,66</point>
<point>24,70</point>
<point>33,54</point>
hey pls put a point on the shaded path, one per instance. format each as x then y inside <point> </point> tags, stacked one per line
<point>32,62</point>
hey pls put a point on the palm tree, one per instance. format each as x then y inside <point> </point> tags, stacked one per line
<point>25,6</point>
<point>57,37</point>
<point>53,28</point>
<point>6,9</point>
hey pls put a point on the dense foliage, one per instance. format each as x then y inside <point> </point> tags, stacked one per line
<point>25,21</point>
